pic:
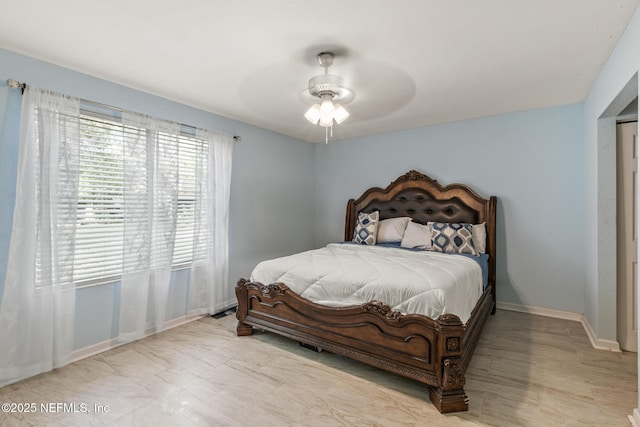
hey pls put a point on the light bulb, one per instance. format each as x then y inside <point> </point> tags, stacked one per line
<point>326,111</point>
<point>313,114</point>
<point>340,114</point>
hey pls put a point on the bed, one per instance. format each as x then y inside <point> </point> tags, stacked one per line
<point>435,351</point>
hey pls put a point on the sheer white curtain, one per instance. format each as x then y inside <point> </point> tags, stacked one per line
<point>208,285</point>
<point>38,302</point>
<point>37,308</point>
<point>150,218</point>
<point>150,215</point>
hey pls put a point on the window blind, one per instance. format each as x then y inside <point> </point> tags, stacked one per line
<point>100,218</point>
<point>100,226</point>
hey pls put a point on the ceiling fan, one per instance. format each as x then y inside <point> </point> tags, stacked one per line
<point>330,90</point>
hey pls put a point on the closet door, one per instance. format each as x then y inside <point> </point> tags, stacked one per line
<point>627,150</point>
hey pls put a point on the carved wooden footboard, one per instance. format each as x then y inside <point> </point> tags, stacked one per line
<point>432,351</point>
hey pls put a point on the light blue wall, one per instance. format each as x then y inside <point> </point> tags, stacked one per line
<point>10,103</point>
<point>617,72</point>
<point>532,161</point>
<point>271,186</point>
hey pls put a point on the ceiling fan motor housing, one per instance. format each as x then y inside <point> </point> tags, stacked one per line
<point>325,84</point>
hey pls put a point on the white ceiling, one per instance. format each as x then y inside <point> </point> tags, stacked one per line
<point>411,63</point>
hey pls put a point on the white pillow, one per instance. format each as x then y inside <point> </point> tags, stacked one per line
<point>417,236</point>
<point>392,229</point>
<point>479,237</point>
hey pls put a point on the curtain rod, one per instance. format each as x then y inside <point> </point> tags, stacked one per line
<point>14,84</point>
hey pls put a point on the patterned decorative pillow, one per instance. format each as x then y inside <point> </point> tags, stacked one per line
<point>452,238</point>
<point>366,228</point>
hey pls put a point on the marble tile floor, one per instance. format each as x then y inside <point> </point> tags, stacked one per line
<point>527,371</point>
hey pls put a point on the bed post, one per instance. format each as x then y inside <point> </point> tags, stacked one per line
<point>449,395</point>
<point>349,223</point>
<point>242,294</point>
<point>491,246</point>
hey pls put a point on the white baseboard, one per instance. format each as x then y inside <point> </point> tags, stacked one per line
<point>599,343</point>
<point>596,342</point>
<point>109,344</point>
<point>92,350</point>
<point>547,312</point>
<point>635,418</point>
<point>178,321</point>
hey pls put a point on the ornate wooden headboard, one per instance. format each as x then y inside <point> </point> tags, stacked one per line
<point>417,196</point>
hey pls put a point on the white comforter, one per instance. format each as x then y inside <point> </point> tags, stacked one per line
<point>411,282</point>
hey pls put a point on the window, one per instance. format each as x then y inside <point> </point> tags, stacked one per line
<point>100,225</point>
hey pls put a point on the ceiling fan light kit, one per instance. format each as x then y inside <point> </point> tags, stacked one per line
<point>329,89</point>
